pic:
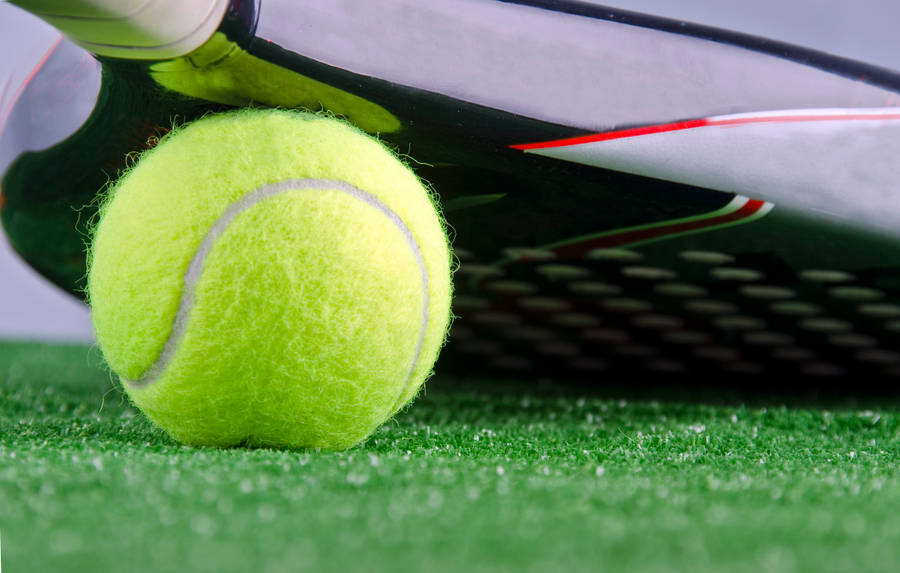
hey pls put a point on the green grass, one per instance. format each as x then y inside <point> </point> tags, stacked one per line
<point>508,479</point>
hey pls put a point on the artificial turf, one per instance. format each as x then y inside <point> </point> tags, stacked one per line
<point>471,478</point>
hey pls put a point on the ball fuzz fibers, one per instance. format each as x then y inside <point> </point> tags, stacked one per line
<point>270,278</point>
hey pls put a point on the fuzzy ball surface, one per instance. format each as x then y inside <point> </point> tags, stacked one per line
<point>270,278</point>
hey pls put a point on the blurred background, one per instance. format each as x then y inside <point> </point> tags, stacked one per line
<point>31,308</point>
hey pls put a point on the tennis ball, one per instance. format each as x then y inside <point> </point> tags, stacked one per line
<point>270,278</point>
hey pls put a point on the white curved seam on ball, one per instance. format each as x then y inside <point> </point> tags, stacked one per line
<point>251,199</point>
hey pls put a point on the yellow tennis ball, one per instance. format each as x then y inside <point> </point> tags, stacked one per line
<point>270,278</point>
